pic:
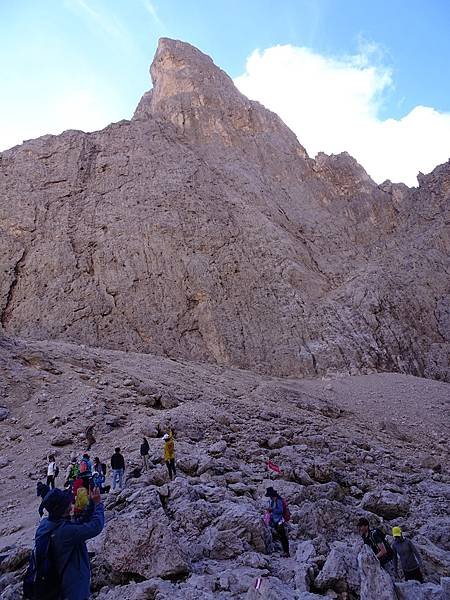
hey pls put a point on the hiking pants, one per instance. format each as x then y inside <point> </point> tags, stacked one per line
<point>282,534</point>
<point>51,481</point>
<point>117,475</point>
<point>171,468</point>
<point>145,461</point>
<point>416,574</point>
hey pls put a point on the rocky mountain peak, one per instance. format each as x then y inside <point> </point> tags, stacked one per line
<point>202,102</point>
<point>201,230</point>
<point>179,68</point>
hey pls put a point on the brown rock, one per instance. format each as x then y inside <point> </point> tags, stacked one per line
<point>183,230</point>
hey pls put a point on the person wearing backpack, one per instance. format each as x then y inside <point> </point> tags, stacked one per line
<point>59,565</point>
<point>145,449</point>
<point>72,472</point>
<point>86,459</point>
<point>52,471</point>
<point>410,559</point>
<point>279,515</point>
<point>376,540</point>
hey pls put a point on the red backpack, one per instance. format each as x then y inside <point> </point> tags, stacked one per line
<point>286,511</point>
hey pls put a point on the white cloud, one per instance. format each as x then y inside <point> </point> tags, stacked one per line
<point>150,7</point>
<point>71,108</point>
<point>334,104</point>
<point>103,22</point>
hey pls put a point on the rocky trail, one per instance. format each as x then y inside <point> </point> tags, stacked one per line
<point>193,267</point>
<point>374,446</point>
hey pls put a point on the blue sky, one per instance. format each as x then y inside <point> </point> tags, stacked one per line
<point>83,63</point>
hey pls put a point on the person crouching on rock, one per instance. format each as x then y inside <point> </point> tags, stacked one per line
<point>376,540</point>
<point>276,518</point>
<point>68,541</point>
<point>410,559</point>
<point>98,480</point>
<point>169,454</point>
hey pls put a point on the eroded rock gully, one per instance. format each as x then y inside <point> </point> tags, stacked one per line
<point>202,230</point>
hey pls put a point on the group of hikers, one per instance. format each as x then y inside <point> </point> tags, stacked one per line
<point>60,559</point>
<point>402,550</point>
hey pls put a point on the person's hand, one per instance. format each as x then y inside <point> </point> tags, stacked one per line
<point>95,496</point>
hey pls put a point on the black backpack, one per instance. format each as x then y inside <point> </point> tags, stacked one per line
<point>390,553</point>
<point>56,471</point>
<point>42,580</point>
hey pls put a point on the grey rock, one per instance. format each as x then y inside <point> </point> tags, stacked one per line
<point>340,571</point>
<point>125,537</point>
<point>375,581</point>
<point>62,439</point>
<point>413,590</point>
<point>386,504</point>
<point>270,588</point>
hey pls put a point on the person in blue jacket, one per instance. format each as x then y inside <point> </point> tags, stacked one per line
<point>69,541</point>
<point>276,518</point>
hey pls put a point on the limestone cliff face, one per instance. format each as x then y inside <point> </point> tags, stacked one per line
<point>201,229</point>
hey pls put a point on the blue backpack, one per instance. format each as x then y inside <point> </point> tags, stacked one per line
<point>42,580</point>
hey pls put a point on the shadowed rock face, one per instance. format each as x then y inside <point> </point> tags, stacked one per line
<point>201,229</point>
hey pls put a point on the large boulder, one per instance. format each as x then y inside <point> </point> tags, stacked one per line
<point>376,583</point>
<point>386,504</point>
<point>238,529</point>
<point>435,559</point>
<point>144,545</point>
<point>340,571</point>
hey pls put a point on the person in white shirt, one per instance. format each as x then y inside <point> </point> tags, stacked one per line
<point>51,471</point>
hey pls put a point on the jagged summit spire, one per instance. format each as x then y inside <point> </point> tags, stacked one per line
<point>203,103</point>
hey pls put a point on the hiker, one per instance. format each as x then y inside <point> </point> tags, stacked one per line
<point>99,466</point>
<point>410,559</point>
<point>52,471</point>
<point>145,449</point>
<point>377,541</point>
<point>277,509</point>
<point>98,480</point>
<point>41,491</point>
<point>89,435</point>
<point>118,468</point>
<point>86,459</point>
<point>64,554</point>
<point>83,479</point>
<point>72,472</point>
<point>169,454</point>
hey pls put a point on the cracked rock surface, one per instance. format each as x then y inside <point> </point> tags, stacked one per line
<point>202,230</point>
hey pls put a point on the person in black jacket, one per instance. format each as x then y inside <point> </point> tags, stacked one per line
<point>41,491</point>
<point>118,469</point>
<point>376,540</point>
<point>145,449</point>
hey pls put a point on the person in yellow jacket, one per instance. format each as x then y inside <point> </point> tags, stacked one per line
<point>169,454</point>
